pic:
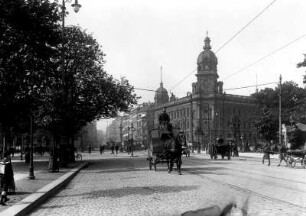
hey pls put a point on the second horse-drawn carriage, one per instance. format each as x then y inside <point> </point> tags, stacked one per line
<point>165,146</point>
<point>220,148</point>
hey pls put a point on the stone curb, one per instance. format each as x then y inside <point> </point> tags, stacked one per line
<point>26,205</point>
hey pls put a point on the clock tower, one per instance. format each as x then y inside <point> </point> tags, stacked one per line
<point>207,76</point>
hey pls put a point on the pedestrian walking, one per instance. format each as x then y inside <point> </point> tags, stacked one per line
<point>117,149</point>
<point>282,154</point>
<point>267,151</point>
<point>101,149</point>
<point>112,148</point>
<point>6,177</point>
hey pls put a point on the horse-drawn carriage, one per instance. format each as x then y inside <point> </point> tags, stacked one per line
<point>165,147</point>
<point>222,148</point>
<point>296,156</point>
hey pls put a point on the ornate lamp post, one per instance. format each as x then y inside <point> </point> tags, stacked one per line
<point>67,153</point>
<point>291,123</point>
<point>76,7</point>
<point>31,166</point>
<point>132,140</point>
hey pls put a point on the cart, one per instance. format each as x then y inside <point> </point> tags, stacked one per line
<point>296,156</point>
<point>222,148</point>
<point>156,150</point>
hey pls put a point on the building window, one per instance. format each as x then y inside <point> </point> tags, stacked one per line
<point>187,111</point>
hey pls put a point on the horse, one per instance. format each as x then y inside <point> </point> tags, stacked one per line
<point>173,151</point>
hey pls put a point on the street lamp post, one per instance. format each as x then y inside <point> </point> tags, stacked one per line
<point>216,125</point>
<point>132,140</point>
<point>280,111</point>
<point>291,123</point>
<point>64,140</point>
<point>31,166</point>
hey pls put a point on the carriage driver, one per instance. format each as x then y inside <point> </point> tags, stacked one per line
<point>164,118</point>
<point>164,122</point>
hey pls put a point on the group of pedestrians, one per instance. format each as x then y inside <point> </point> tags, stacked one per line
<point>115,149</point>
<point>270,148</point>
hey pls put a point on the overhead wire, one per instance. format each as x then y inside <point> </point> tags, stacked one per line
<point>229,89</point>
<point>245,26</point>
<point>251,86</point>
<point>183,79</point>
<point>266,56</point>
<point>228,41</point>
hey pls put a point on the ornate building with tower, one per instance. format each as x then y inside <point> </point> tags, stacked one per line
<point>206,112</point>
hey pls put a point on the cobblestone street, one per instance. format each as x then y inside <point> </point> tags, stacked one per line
<point>125,186</point>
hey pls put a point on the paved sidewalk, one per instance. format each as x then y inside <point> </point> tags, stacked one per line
<point>30,193</point>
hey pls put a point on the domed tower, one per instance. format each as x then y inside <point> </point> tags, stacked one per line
<point>161,94</point>
<point>207,75</point>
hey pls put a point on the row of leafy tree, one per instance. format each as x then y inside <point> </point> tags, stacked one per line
<point>52,75</point>
<point>293,106</point>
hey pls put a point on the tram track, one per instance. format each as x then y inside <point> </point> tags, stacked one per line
<point>247,191</point>
<point>268,176</point>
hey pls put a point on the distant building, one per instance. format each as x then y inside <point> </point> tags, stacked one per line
<point>205,113</point>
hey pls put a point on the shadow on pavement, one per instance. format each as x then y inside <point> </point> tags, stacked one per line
<point>130,191</point>
<point>203,170</point>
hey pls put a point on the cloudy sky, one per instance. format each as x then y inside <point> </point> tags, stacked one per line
<point>140,36</point>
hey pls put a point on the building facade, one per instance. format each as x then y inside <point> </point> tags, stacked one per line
<point>205,113</point>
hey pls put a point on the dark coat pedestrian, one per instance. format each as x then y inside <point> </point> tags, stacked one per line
<point>116,149</point>
<point>6,177</point>
<point>282,154</point>
<point>112,149</point>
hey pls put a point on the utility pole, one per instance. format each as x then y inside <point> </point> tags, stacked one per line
<point>191,119</point>
<point>280,111</point>
<point>121,134</point>
<point>209,123</point>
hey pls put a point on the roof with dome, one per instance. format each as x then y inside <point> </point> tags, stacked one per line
<point>161,95</point>
<point>207,56</point>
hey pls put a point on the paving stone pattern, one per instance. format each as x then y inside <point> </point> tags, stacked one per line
<point>126,186</point>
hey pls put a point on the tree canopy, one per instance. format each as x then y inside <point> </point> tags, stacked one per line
<point>53,73</point>
<point>293,100</point>
<point>29,35</point>
<point>89,92</point>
